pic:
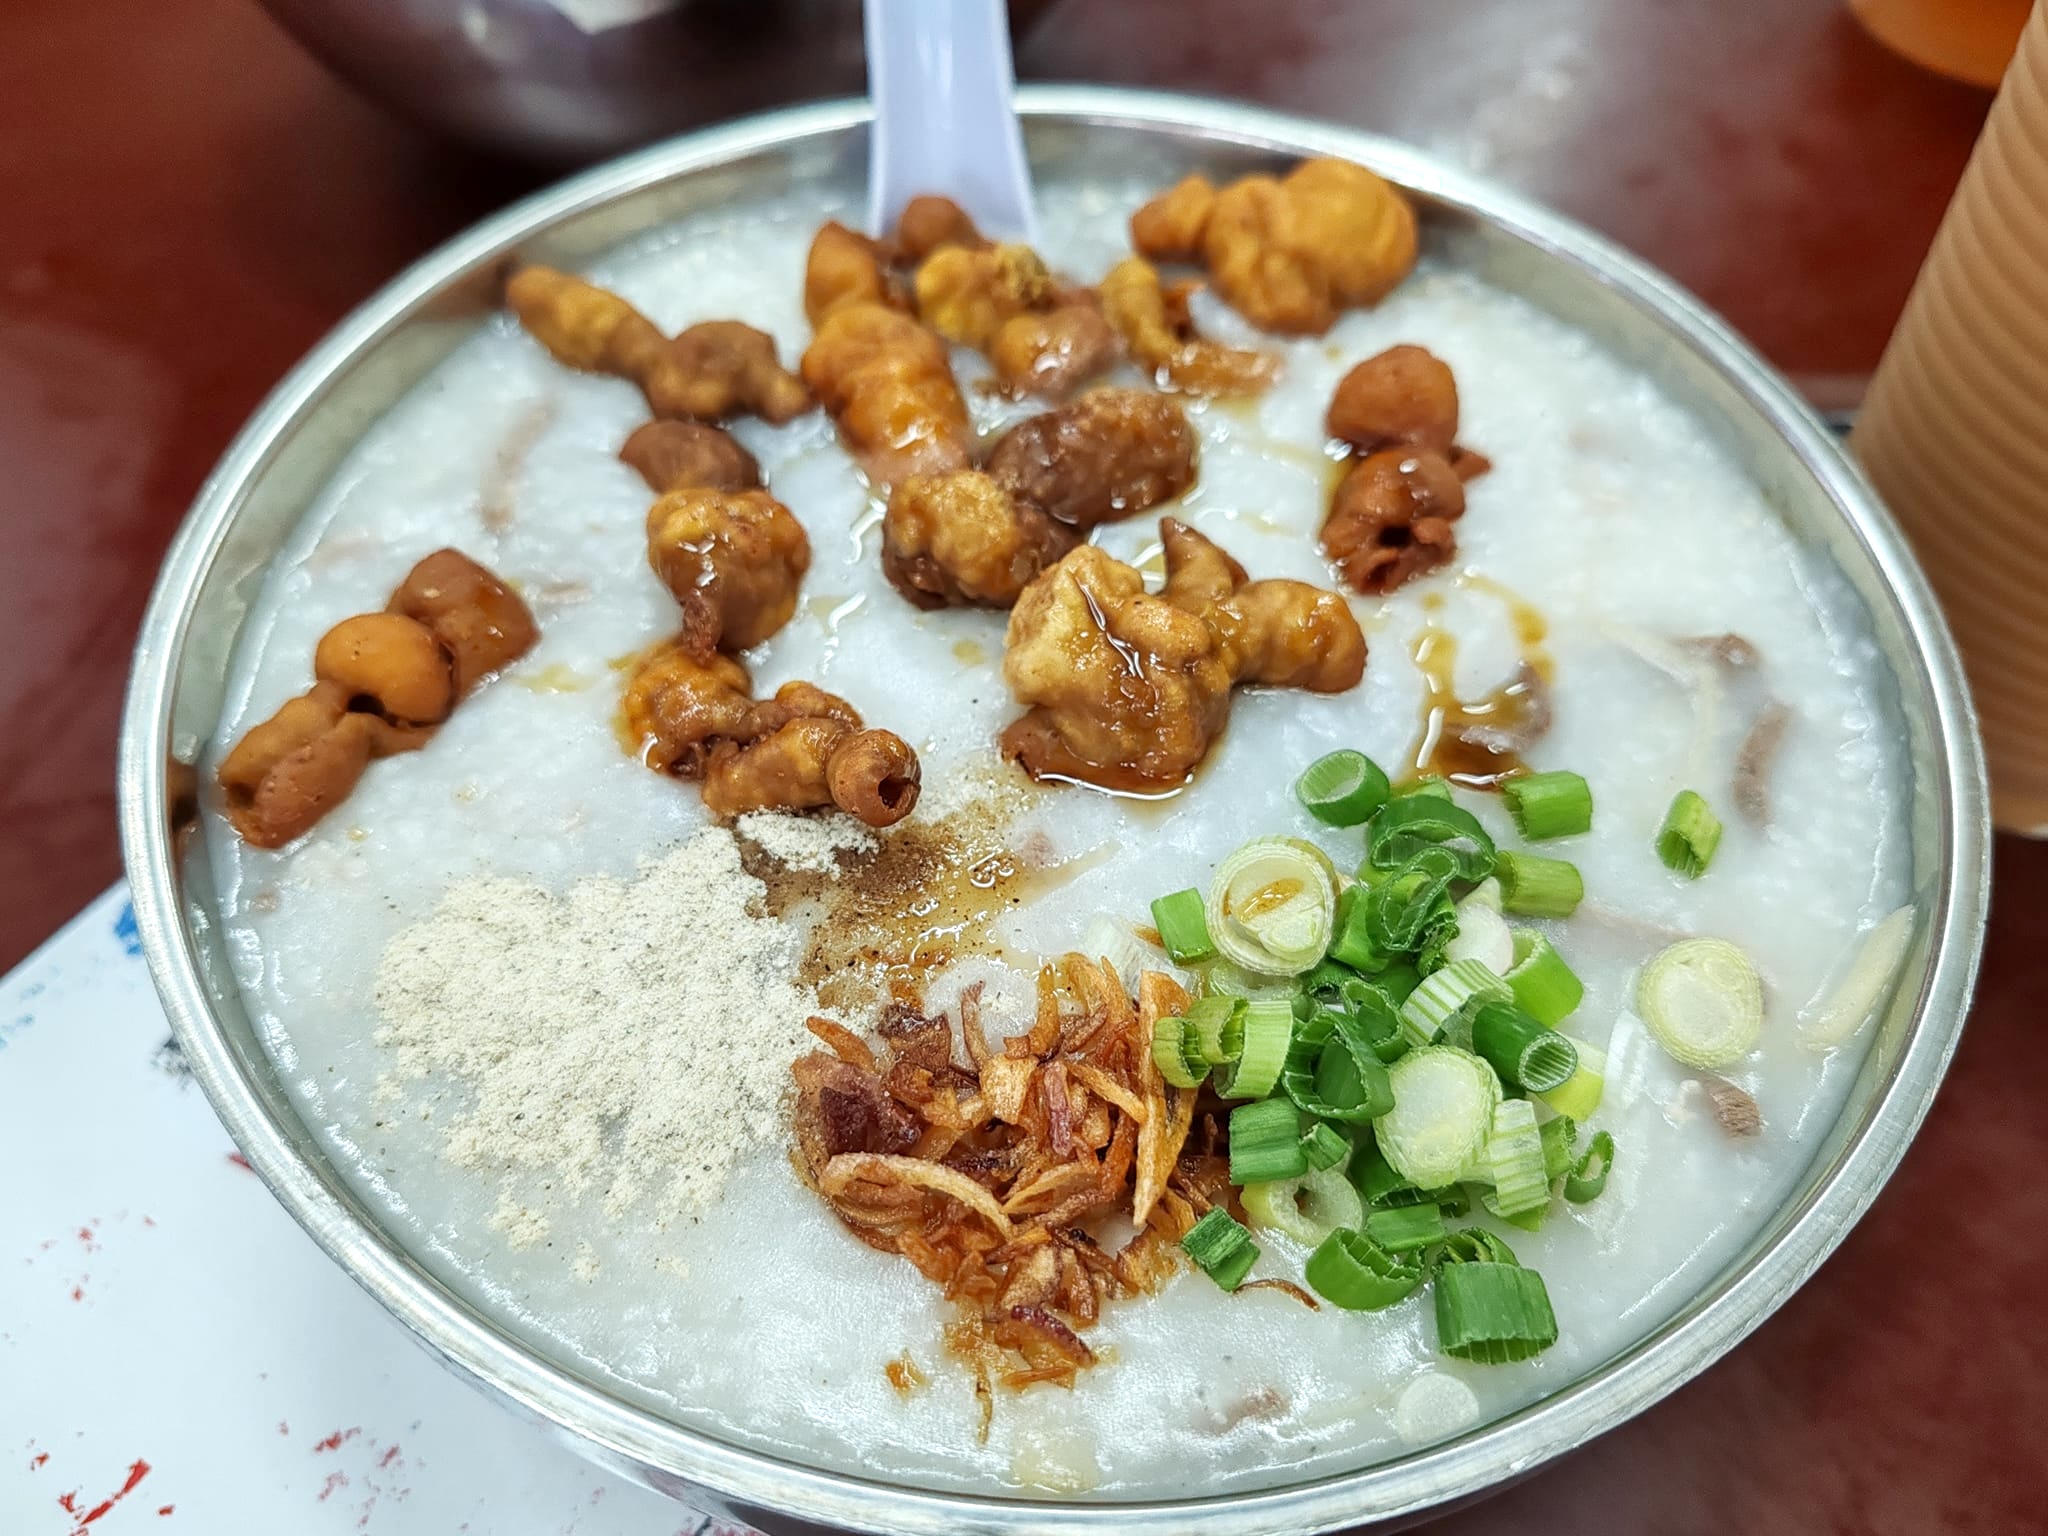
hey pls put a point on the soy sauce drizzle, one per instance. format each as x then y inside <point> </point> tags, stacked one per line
<point>1476,743</point>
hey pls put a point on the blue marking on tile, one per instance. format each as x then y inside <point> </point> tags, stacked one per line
<point>126,931</point>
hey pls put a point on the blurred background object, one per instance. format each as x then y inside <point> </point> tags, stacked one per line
<point>569,80</point>
<point>1969,40</point>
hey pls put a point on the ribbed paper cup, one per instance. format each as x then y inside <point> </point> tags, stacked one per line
<point>1955,432</point>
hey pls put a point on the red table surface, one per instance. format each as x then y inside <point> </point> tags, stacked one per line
<point>190,203</point>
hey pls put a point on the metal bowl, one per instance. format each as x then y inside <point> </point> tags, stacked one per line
<point>297,437</point>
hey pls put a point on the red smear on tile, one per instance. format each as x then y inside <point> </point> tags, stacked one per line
<point>240,1162</point>
<point>137,1471</point>
<point>36,1461</point>
<point>335,1480</point>
<point>283,1428</point>
<point>149,1221</point>
<point>68,1502</point>
<point>165,1509</point>
<point>388,1457</point>
<point>78,1291</point>
<point>334,1441</point>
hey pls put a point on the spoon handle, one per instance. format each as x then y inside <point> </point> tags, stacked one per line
<point>945,121</point>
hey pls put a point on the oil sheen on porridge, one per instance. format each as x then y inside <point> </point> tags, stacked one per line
<point>758,1317</point>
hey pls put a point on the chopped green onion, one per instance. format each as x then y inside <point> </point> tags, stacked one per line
<point>1265,1142</point>
<point>1264,1029</point>
<point>1271,906</point>
<point>1392,985</point>
<point>1411,903</point>
<point>1485,894</point>
<point>1514,1159</point>
<point>1588,1175</point>
<point>1406,1228</point>
<point>1580,1096</point>
<point>1689,836</point>
<point>1372,1175</point>
<point>1448,996</point>
<point>1545,987</point>
<point>1327,975</point>
<point>1407,824</point>
<point>1476,1245</point>
<point>1702,1001</point>
<point>1325,1147</point>
<point>1495,1314</point>
<point>1433,785</point>
<point>1534,886</point>
<point>1342,789</point>
<point>1171,1037</point>
<point>1518,1048</point>
<point>1212,1023</point>
<point>1351,1269</point>
<point>1222,979</point>
<point>1529,1220</point>
<point>1351,942</point>
<point>1558,1132</point>
<point>1221,1247</point>
<point>1334,1071</point>
<point>1182,930</point>
<point>1482,935</point>
<point>1308,1209</point>
<point>1547,805</point>
<point>1442,1114</point>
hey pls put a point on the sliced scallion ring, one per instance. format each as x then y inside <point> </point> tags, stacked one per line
<point>1495,1314</point>
<point>1265,1143</point>
<point>1702,1002</point>
<point>1525,1054</point>
<point>1325,1147</point>
<point>1342,789</point>
<point>1406,1228</point>
<point>1545,987</point>
<point>1264,1028</point>
<point>1448,997</point>
<point>1588,1175</point>
<point>1580,1095</point>
<point>1482,935</point>
<point>1351,1269</point>
<point>1409,823</point>
<point>1181,1067</point>
<point>1271,907</point>
<point>1689,836</point>
<point>1547,805</point>
<point>1412,904</point>
<point>1183,932</point>
<point>1514,1159</point>
<point>1308,1209</point>
<point>1443,1112</point>
<point>1221,1247</point>
<point>1534,886</point>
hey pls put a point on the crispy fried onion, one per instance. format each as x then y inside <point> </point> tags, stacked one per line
<point>1052,1172</point>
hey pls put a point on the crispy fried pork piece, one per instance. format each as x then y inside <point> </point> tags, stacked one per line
<point>482,624</point>
<point>966,293</point>
<point>1155,327</point>
<point>1290,252</point>
<point>1111,454</point>
<point>1053,352</point>
<point>698,719</point>
<point>1275,632</point>
<point>1402,397</point>
<point>733,559</point>
<point>963,539</point>
<point>929,222</point>
<point>888,382</point>
<point>845,268</point>
<point>1128,690</point>
<point>1170,227</point>
<point>1122,688</point>
<point>685,455</point>
<point>387,664</point>
<point>385,681</point>
<point>298,765</point>
<point>712,370</point>
<point>1391,518</point>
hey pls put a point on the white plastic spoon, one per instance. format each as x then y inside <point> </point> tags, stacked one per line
<point>941,78</point>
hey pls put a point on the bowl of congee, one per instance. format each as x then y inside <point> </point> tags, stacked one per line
<point>1245,868</point>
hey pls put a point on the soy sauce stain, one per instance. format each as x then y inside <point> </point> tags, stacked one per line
<point>1477,743</point>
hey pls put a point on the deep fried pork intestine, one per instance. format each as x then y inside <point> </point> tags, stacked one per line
<point>1153,321</point>
<point>686,455</point>
<point>887,380</point>
<point>991,1167</point>
<point>383,683</point>
<point>978,537</point>
<point>710,371</point>
<point>1288,253</point>
<point>804,748</point>
<point>1129,689</point>
<point>733,561</point>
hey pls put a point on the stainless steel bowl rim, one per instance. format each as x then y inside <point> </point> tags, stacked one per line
<point>667,1455</point>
